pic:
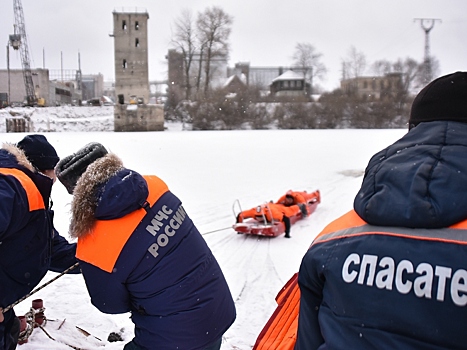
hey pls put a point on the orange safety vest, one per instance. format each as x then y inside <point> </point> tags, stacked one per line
<point>280,332</point>
<point>102,246</point>
<point>35,200</point>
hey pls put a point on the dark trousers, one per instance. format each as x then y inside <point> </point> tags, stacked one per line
<point>214,346</point>
<point>131,346</point>
<point>287,225</point>
<point>9,331</point>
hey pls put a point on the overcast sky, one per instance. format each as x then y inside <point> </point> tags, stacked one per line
<point>264,32</point>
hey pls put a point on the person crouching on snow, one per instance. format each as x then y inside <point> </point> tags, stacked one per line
<point>140,252</point>
<point>29,244</point>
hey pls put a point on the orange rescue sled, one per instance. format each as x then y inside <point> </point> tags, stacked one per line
<point>264,225</point>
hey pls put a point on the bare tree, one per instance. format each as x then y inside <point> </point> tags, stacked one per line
<point>410,70</point>
<point>308,59</point>
<point>184,39</point>
<point>214,27</point>
<point>200,65</point>
<point>353,67</point>
<point>381,67</point>
<point>355,64</point>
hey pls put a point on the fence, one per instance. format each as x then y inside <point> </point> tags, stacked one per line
<point>17,124</point>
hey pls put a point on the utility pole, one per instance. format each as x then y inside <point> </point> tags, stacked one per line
<point>8,69</point>
<point>79,78</point>
<point>427,25</point>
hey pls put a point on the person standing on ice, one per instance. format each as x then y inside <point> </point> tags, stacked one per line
<point>29,244</point>
<point>140,252</point>
<point>392,273</point>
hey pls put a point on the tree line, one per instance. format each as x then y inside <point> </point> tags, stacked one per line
<point>203,41</point>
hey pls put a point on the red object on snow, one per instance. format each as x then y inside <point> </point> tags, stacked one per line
<point>39,317</point>
<point>262,227</point>
<point>23,324</point>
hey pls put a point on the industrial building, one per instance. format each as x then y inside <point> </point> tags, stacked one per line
<point>50,90</point>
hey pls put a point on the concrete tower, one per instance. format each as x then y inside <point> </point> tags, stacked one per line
<point>131,56</point>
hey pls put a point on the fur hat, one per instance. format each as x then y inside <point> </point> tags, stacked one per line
<point>39,152</point>
<point>444,98</point>
<point>70,168</point>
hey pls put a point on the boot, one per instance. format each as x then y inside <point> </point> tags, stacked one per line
<point>303,210</point>
<point>287,235</point>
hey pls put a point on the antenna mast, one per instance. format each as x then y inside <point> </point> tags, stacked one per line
<point>427,25</point>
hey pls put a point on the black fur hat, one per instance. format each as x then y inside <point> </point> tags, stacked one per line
<point>444,98</point>
<point>70,168</point>
<point>39,152</point>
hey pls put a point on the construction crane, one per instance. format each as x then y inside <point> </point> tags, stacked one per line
<point>19,42</point>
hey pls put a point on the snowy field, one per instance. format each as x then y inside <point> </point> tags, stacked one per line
<point>209,171</point>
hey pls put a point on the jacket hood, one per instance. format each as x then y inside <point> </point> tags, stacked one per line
<point>105,191</point>
<point>420,181</point>
<point>20,156</point>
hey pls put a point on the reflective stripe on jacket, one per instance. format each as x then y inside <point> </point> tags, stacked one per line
<point>102,248</point>
<point>35,199</point>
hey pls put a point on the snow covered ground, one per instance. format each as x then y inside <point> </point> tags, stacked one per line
<point>209,171</point>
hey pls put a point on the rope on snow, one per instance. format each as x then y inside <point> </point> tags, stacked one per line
<point>31,318</point>
<point>221,229</point>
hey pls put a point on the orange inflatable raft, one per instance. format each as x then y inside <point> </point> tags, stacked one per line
<point>266,219</point>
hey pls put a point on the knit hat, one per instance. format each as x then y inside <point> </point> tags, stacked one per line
<point>444,98</point>
<point>70,168</point>
<point>39,152</point>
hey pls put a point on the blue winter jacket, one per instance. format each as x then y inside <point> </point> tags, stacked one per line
<point>29,244</point>
<point>141,253</point>
<point>398,278</point>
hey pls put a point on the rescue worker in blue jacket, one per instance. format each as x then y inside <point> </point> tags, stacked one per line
<point>140,252</point>
<point>392,273</point>
<point>29,244</point>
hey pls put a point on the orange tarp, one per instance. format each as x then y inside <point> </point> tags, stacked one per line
<point>280,332</point>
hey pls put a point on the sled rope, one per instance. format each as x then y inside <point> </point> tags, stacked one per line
<point>221,229</point>
<point>39,288</point>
